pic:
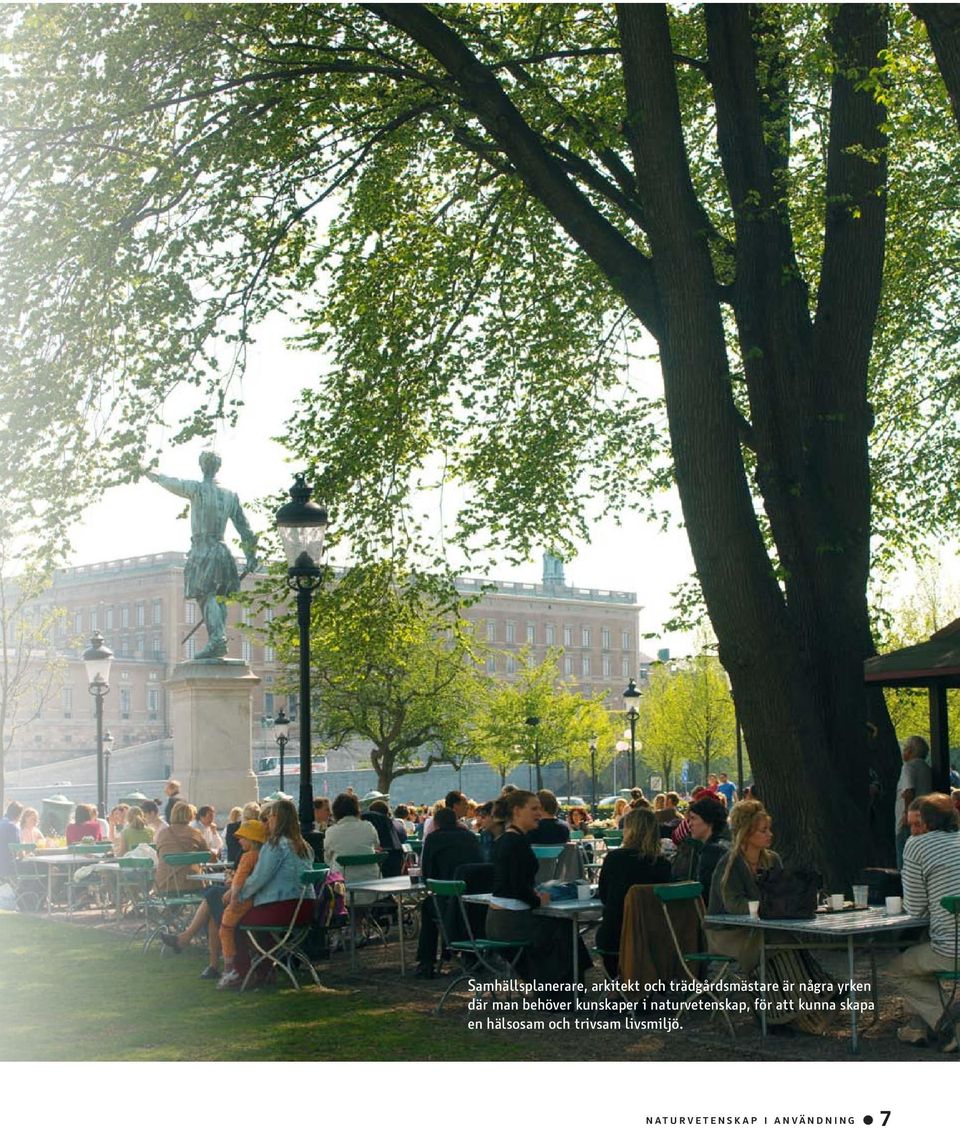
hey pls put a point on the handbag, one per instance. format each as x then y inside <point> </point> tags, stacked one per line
<point>788,894</point>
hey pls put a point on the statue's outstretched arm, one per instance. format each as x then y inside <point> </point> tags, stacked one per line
<point>175,485</point>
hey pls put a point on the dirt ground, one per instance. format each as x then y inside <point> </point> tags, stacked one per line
<point>700,1038</point>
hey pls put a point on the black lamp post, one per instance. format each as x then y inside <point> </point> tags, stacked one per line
<point>281,734</point>
<point>97,659</point>
<point>631,698</point>
<point>302,525</point>
<point>593,777</point>
<point>107,747</point>
<point>534,723</point>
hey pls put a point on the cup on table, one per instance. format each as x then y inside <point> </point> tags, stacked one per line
<point>835,902</point>
<point>583,892</point>
<point>893,906</point>
<point>754,908</point>
<point>414,874</point>
<point>861,895</point>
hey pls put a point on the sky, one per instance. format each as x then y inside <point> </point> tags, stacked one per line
<point>143,518</point>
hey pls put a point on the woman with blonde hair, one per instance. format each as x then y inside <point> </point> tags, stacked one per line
<point>620,808</point>
<point>637,862</point>
<point>30,829</point>
<point>134,833</point>
<point>178,838</point>
<point>736,881</point>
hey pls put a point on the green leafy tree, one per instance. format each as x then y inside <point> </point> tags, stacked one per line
<point>526,197</point>
<point>391,663</point>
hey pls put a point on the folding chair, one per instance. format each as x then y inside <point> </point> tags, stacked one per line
<point>134,878</point>
<point>945,979</point>
<point>613,838</point>
<point>549,859</point>
<point>172,906</point>
<point>684,893</point>
<point>483,952</point>
<point>29,884</point>
<point>370,925</point>
<point>282,944</point>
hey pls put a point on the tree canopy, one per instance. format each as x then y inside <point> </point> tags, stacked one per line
<point>482,214</point>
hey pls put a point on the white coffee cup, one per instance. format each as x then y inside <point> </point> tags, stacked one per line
<point>754,907</point>
<point>861,895</point>
<point>583,892</point>
<point>836,902</point>
<point>894,906</point>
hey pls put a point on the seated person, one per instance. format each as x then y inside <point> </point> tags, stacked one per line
<point>931,871</point>
<point>85,825</point>
<point>490,829</point>
<point>389,838</point>
<point>449,846</point>
<point>706,844</point>
<point>550,830</point>
<point>134,833</point>
<point>637,862</point>
<point>348,835</point>
<point>578,818</point>
<point>238,816</point>
<point>30,828</point>
<point>178,838</point>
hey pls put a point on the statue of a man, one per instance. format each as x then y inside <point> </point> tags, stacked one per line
<point>211,572</point>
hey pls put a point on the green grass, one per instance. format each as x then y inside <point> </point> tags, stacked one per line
<point>72,993</point>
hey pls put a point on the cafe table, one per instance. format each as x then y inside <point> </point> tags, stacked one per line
<point>574,910</point>
<point>394,887</point>
<point>63,864</point>
<point>849,928</point>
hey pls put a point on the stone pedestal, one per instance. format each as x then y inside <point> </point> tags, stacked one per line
<point>211,706</point>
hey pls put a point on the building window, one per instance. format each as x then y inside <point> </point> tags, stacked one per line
<point>153,702</point>
<point>157,612</point>
<point>491,631</point>
<point>268,705</point>
<point>568,636</point>
<point>511,631</point>
<point>269,654</point>
<point>189,648</point>
<point>124,647</point>
<point>568,665</point>
<point>66,700</point>
<point>293,706</point>
<point>511,664</point>
<point>550,634</point>
<point>605,638</point>
<point>531,634</point>
<point>157,646</point>
<point>586,665</point>
<point>268,615</point>
<point>624,640</point>
<point>491,665</point>
<point>78,622</point>
<point>246,650</point>
<point>584,636</point>
<point>138,646</point>
<point>108,619</point>
<point>245,615</point>
<point>141,613</point>
<point>190,611</point>
<point>625,668</point>
<point>607,666</point>
<point>124,703</point>
<point>94,619</point>
<point>125,616</point>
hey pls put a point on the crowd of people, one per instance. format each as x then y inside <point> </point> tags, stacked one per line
<point>715,837</point>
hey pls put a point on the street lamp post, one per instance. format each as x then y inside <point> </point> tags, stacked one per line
<point>281,734</point>
<point>302,525</point>
<point>631,697</point>
<point>593,777</point>
<point>534,723</point>
<point>97,659</point>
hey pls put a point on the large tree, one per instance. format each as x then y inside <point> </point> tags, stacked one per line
<point>527,196</point>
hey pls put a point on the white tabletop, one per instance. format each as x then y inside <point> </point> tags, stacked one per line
<point>571,907</point>
<point>67,859</point>
<point>385,885</point>
<point>850,923</point>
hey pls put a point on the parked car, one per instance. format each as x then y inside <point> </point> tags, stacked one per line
<point>567,801</point>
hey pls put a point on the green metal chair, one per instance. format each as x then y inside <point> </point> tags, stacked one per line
<point>134,881</point>
<point>576,835</point>
<point>476,956</point>
<point>549,859</point>
<point>613,838</point>
<point>684,893</point>
<point>947,981</point>
<point>170,907</point>
<point>29,883</point>
<point>281,945</point>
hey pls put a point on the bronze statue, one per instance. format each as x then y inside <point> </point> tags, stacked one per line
<point>211,572</point>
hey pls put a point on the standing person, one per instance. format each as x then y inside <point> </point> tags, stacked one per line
<point>549,958</point>
<point>637,862</point>
<point>210,572</point>
<point>9,835</point>
<point>727,789</point>
<point>172,792</point>
<point>931,871</point>
<point>274,885</point>
<point>916,778</point>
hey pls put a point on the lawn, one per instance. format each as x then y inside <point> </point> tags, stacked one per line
<point>73,993</point>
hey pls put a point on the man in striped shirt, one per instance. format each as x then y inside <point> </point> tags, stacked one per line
<point>931,870</point>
